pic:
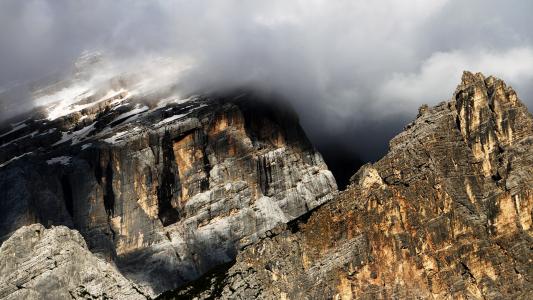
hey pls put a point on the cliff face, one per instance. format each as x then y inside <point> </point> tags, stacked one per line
<point>229,190</point>
<point>165,189</point>
<point>40,263</point>
<point>447,213</point>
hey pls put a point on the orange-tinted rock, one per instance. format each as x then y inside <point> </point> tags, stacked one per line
<point>446,214</point>
<point>166,193</point>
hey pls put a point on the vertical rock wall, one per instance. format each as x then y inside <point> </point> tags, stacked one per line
<point>446,214</point>
<point>175,192</point>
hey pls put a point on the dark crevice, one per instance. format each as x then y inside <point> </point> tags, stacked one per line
<point>213,281</point>
<point>113,233</point>
<point>98,172</point>
<point>67,194</point>
<point>466,271</point>
<point>169,185</point>
<point>264,171</point>
<point>294,225</point>
<point>204,183</point>
<point>109,195</point>
<point>496,177</point>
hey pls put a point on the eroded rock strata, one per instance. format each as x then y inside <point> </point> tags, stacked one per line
<point>166,190</point>
<point>446,214</point>
<point>40,263</point>
<point>229,198</point>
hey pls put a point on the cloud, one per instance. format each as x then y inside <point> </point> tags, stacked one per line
<point>438,76</point>
<point>343,64</point>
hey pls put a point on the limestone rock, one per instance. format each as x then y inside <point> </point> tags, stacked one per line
<point>166,188</point>
<point>366,177</point>
<point>40,263</point>
<point>446,214</point>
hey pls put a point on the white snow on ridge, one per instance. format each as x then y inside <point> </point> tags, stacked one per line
<point>61,101</point>
<point>14,158</point>
<point>117,136</point>
<point>130,113</point>
<point>171,119</point>
<point>16,128</point>
<point>86,146</point>
<point>75,136</point>
<point>20,138</point>
<point>176,117</point>
<point>174,99</point>
<point>64,160</point>
<point>66,106</point>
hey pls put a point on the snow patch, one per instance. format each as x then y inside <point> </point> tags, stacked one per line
<point>64,160</point>
<point>61,101</point>
<point>66,107</point>
<point>14,158</point>
<point>171,100</point>
<point>133,112</point>
<point>75,136</point>
<point>18,123</point>
<point>171,119</point>
<point>119,135</point>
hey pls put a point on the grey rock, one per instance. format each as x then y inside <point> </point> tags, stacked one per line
<point>167,190</point>
<point>446,214</point>
<point>55,263</point>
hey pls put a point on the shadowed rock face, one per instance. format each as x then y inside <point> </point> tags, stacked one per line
<point>167,190</point>
<point>40,263</point>
<point>447,213</point>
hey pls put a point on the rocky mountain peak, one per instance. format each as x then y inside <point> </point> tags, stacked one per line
<point>490,117</point>
<point>447,213</point>
<point>224,197</point>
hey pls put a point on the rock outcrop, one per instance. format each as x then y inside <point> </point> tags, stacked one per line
<point>446,214</point>
<point>40,263</point>
<point>166,188</point>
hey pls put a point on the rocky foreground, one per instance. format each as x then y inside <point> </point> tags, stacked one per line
<point>40,263</point>
<point>447,213</point>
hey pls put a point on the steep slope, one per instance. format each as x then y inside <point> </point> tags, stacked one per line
<point>447,213</point>
<point>40,263</point>
<point>165,187</point>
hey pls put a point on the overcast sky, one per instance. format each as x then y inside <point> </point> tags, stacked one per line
<point>342,63</point>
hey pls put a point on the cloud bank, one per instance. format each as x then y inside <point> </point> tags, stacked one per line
<point>354,70</point>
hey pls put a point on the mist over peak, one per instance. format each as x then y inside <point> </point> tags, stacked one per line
<point>349,66</point>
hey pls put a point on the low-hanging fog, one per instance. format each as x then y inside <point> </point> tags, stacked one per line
<point>355,71</point>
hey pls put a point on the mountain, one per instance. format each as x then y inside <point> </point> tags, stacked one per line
<point>161,187</point>
<point>446,214</point>
<point>222,196</point>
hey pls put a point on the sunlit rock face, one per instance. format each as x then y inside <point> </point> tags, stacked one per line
<point>166,188</point>
<point>446,214</point>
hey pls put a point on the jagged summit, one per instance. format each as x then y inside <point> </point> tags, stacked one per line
<point>490,117</point>
<point>228,200</point>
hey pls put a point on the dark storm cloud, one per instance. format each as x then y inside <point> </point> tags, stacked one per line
<point>347,66</point>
